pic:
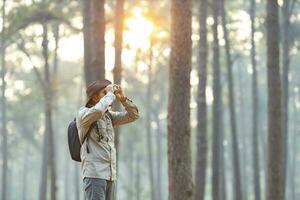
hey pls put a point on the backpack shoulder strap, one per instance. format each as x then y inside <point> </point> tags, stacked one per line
<point>88,132</point>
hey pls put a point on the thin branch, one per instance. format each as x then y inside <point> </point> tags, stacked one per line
<point>38,74</point>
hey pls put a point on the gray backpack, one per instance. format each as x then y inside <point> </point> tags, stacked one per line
<point>73,140</point>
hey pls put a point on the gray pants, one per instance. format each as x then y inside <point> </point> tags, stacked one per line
<point>98,189</point>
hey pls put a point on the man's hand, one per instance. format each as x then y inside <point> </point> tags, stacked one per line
<point>119,93</point>
<point>110,88</point>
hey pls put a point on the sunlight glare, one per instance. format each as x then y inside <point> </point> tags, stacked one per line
<point>138,32</point>
<point>71,48</point>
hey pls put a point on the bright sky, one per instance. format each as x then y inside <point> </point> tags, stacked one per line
<point>135,36</point>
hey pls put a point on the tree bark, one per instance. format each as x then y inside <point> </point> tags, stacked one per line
<point>222,166</point>
<point>77,179</point>
<point>44,171</point>
<point>67,180</point>
<point>138,177</point>
<point>275,136</point>
<point>148,127</point>
<point>54,108</point>
<point>255,144</point>
<point>179,149</point>
<point>3,109</point>
<point>201,102</point>
<point>117,72</point>
<point>48,95</point>
<point>159,153</point>
<point>159,136</point>
<point>294,150</point>
<point>244,134</point>
<point>94,43</point>
<point>217,101</point>
<point>286,13</point>
<point>235,144</point>
<point>25,172</point>
<point>130,187</point>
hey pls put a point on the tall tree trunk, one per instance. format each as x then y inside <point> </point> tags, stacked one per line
<point>159,153</point>
<point>235,144</point>
<point>244,134</point>
<point>131,172</point>
<point>48,95</point>
<point>138,177</point>
<point>55,71</point>
<point>159,136</point>
<point>117,72</point>
<point>54,97</point>
<point>78,192</point>
<point>255,144</point>
<point>93,36</point>
<point>25,172</point>
<point>217,101</point>
<point>3,109</point>
<point>67,180</point>
<point>130,166</point>
<point>44,171</point>
<point>201,102</point>
<point>179,149</point>
<point>222,166</point>
<point>294,151</point>
<point>275,137</point>
<point>77,179</point>
<point>148,127</point>
<point>286,13</point>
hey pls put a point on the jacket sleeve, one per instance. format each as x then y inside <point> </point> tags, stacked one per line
<point>130,114</point>
<point>87,116</point>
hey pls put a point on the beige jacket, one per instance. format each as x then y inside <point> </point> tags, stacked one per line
<point>100,162</point>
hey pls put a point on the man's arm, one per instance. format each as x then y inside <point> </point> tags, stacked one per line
<point>130,113</point>
<point>87,116</point>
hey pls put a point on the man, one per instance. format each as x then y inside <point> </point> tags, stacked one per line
<point>98,153</point>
